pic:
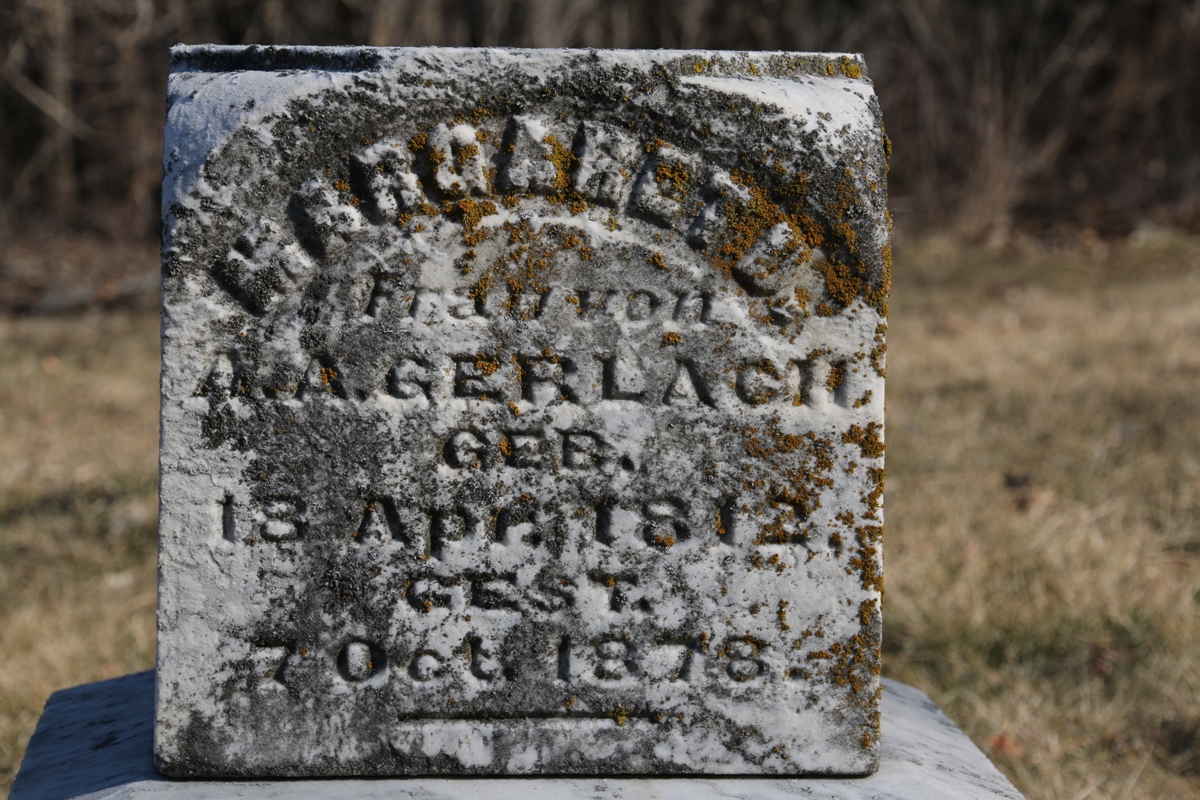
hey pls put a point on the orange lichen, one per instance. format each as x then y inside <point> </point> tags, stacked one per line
<point>837,375</point>
<point>874,498</point>
<point>867,439</point>
<point>470,212</point>
<point>841,282</point>
<point>673,179</point>
<point>563,159</point>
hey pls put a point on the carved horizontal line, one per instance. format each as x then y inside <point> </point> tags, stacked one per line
<point>646,716</point>
<point>266,58</point>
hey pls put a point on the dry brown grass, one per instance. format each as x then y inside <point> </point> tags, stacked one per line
<point>1043,554</point>
<point>1044,481</point>
<point>78,452</point>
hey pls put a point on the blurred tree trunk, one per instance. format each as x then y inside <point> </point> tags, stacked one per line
<point>384,23</point>
<point>142,147</point>
<point>60,25</point>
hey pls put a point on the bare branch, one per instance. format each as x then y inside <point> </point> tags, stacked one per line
<point>46,103</point>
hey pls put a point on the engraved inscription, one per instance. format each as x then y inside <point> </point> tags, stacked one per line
<point>608,658</point>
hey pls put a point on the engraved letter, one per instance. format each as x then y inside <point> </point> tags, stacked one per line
<point>467,449</point>
<point>263,263</point>
<point>323,377</point>
<point>225,379</point>
<point>455,161</point>
<point>228,519</point>
<point>755,383</point>
<point>359,661</point>
<point>491,592</point>
<point>449,525</point>
<point>382,176</point>
<point>411,377</point>
<point>524,449</point>
<point>642,306</point>
<point>688,386</point>
<point>426,594</point>
<point>425,666</point>
<point>281,519</point>
<point>485,663</point>
<point>620,381</point>
<point>544,379</point>
<point>383,288</point>
<point>665,192</point>
<point>666,523</point>
<point>518,523</point>
<point>605,534</point>
<point>693,307</point>
<point>607,158</point>
<point>530,166</point>
<point>581,450</point>
<point>269,661</point>
<point>711,225</point>
<point>744,663</point>
<point>623,592</point>
<point>380,523</point>
<point>615,659</point>
<point>471,377</point>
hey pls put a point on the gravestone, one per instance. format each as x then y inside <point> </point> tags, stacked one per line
<point>521,413</point>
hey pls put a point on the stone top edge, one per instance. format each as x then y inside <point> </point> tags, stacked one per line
<point>284,58</point>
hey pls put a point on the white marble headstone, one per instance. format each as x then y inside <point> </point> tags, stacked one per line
<point>522,413</point>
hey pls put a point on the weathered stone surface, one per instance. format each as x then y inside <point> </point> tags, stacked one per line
<point>94,742</point>
<point>522,413</point>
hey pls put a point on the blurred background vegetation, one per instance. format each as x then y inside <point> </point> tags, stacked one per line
<point>1043,494</point>
<point>1046,118</point>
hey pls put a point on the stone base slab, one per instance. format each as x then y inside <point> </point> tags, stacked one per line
<point>96,741</point>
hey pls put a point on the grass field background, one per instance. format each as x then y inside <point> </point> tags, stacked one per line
<point>1043,509</point>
